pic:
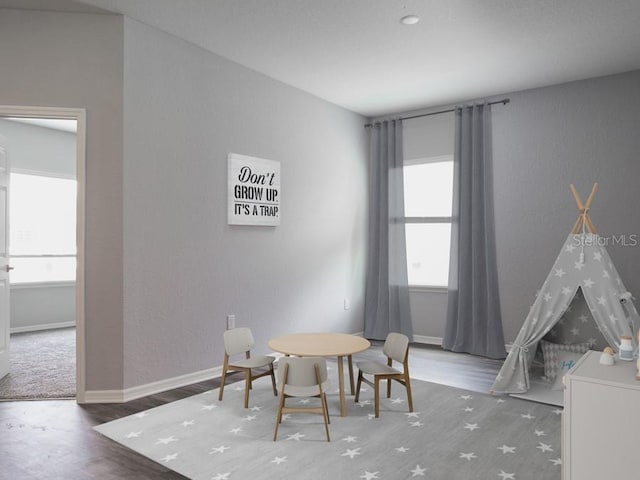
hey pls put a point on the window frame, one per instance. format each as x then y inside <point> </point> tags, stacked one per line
<point>45,283</point>
<point>429,219</point>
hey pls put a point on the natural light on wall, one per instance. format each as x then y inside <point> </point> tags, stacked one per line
<point>42,228</point>
<point>428,187</point>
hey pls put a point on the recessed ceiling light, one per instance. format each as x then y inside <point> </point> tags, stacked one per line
<point>410,19</point>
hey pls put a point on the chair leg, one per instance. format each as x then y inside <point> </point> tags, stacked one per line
<point>388,388</point>
<point>358,386</point>
<point>407,381</point>
<point>325,414</point>
<point>327,407</point>
<point>273,380</point>
<point>279,415</point>
<point>247,387</point>
<point>224,377</point>
<point>377,395</point>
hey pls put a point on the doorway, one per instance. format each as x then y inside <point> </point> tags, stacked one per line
<point>47,260</point>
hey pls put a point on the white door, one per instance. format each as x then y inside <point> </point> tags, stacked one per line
<point>4,260</point>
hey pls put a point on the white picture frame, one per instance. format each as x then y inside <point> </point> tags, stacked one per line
<point>253,195</point>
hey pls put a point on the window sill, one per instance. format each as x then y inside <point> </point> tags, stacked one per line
<point>427,289</point>
<point>42,285</point>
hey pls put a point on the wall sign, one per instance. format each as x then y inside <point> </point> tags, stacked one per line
<point>254,190</point>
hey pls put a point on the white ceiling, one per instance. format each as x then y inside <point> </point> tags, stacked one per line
<point>355,53</point>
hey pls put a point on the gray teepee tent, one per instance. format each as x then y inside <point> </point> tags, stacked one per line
<point>583,263</point>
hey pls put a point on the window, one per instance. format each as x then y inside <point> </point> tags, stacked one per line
<point>43,228</point>
<point>428,193</point>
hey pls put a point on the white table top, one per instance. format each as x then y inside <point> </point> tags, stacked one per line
<point>319,344</point>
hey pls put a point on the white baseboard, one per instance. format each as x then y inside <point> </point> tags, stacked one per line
<point>427,340</point>
<point>128,394</point>
<point>44,326</point>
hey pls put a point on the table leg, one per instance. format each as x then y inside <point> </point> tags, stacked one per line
<point>343,406</point>
<point>353,388</point>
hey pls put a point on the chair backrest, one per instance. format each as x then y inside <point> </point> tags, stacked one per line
<point>396,346</point>
<point>301,371</point>
<point>238,340</point>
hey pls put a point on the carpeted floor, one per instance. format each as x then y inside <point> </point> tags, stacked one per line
<point>452,435</point>
<point>43,366</point>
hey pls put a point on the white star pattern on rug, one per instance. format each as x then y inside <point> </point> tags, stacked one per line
<point>219,449</point>
<point>218,442</point>
<point>418,471</point>
<point>556,461</point>
<point>221,476</point>
<point>369,475</point>
<point>352,453</point>
<point>170,457</point>
<point>544,447</point>
<point>507,449</point>
<point>167,440</point>
<point>468,456</point>
<point>506,476</point>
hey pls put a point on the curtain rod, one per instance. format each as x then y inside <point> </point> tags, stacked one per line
<point>504,101</point>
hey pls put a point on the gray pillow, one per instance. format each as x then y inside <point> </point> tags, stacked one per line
<point>550,352</point>
<point>566,361</point>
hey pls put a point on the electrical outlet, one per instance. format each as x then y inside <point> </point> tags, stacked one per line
<point>346,304</point>
<point>231,321</point>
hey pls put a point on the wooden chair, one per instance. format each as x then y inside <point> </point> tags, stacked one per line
<point>238,341</point>
<point>302,377</point>
<point>396,347</point>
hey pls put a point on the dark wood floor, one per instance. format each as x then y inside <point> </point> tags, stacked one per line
<point>55,439</point>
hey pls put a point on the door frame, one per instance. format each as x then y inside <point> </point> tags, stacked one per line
<point>80,115</point>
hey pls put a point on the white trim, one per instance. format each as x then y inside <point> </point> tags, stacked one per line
<point>427,289</point>
<point>42,173</point>
<point>128,394</point>
<point>80,115</point>
<point>42,285</point>
<point>435,159</point>
<point>42,326</point>
<point>427,340</point>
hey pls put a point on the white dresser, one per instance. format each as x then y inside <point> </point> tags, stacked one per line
<point>601,420</point>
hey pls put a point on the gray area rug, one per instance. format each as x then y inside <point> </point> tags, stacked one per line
<point>453,434</point>
<point>43,366</point>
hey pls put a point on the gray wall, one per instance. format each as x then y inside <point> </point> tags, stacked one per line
<point>40,149</point>
<point>185,268</point>
<point>163,268</point>
<point>545,139</point>
<point>76,60</point>
<point>580,132</point>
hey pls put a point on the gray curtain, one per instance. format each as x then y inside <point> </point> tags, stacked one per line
<point>387,291</point>
<point>474,324</point>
